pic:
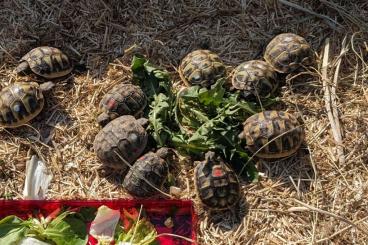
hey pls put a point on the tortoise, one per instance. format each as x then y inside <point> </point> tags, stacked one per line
<point>21,102</point>
<point>255,77</point>
<point>201,67</point>
<point>217,185</point>
<point>148,173</point>
<point>288,52</point>
<point>122,99</point>
<point>272,134</point>
<point>121,141</point>
<point>44,61</point>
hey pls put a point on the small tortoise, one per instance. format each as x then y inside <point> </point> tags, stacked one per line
<point>124,136</point>
<point>255,77</point>
<point>148,173</point>
<point>201,67</point>
<point>122,99</point>
<point>217,185</point>
<point>272,134</point>
<point>21,102</point>
<point>47,62</point>
<point>288,52</point>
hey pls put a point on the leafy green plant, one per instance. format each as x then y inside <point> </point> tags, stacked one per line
<point>57,228</point>
<point>195,119</point>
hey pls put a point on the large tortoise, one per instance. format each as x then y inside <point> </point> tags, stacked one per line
<point>148,173</point>
<point>272,134</point>
<point>288,52</point>
<point>121,141</point>
<point>44,61</point>
<point>21,102</point>
<point>217,185</point>
<point>201,67</point>
<point>255,77</point>
<point>122,99</point>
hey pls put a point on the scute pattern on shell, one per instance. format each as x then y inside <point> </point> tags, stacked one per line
<point>255,77</point>
<point>201,67</point>
<point>150,167</point>
<point>123,99</point>
<point>288,52</point>
<point>48,62</point>
<point>216,184</point>
<point>124,135</point>
<point>20,103</point>
<point>273,134</point>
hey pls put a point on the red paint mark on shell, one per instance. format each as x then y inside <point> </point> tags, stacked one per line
<point>111,104</point>
<point>217,172</point>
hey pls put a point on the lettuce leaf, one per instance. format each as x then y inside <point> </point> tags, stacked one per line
<point>12,230</point>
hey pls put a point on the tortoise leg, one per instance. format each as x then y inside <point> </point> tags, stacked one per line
<point>23,68</point>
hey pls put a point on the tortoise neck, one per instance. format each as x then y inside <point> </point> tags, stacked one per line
<point>23,68</point>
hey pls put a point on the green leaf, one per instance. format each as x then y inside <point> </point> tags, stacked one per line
<point>66,229</point>
<point>151,78</point>
<point>70,230</point>
<point>137,63</point>
<point>213,96</point>
<point>12,230</point>
<point>158,116</point>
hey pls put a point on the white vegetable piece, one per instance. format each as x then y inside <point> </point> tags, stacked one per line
<point>104,225</point>
<point>32,241</point>
<point>37,181</point>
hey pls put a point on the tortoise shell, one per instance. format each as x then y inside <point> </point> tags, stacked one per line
<point>255,77</point>
<point>124,137</point>
<point>272,134</point>
<point>122,99</point>
<point>147,174</point>
<point>45,61</point>
<point>201,67</point>
<point>287,52</point>
<point>20,103</point>
<point>216,183</point>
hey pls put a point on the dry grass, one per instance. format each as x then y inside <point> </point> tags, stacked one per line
<point>310,198</point>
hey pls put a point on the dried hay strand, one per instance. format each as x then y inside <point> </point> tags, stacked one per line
<point>311,198</point>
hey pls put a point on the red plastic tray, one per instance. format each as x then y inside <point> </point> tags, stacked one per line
<point>185,219</point>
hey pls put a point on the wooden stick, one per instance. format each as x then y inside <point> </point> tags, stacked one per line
<point>331,103</point>
<point>339,133</point>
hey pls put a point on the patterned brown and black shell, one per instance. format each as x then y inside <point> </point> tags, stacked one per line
<point>48,62</point>
<point>273,134</point>
<point>20,103</point>
<point>201,67</point>
<point>148,171</point>
<point>123,99</point>
<point>217,185</point>
<point>124,137</point>
<point>288,52</point>
<point>255,77</point>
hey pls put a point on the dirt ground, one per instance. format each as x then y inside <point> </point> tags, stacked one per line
<point>316,197</point>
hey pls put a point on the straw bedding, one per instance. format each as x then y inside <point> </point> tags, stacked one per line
<point>310,198</point>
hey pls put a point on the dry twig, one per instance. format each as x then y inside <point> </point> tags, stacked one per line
<point>330,100</point>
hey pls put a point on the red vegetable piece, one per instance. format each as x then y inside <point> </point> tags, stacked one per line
<point>129,218</point>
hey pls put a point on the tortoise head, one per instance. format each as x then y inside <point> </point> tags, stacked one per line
<point>143,122</point>
<point>103,119</point>
<point>165,153</point>
<point>23,68</point>
<point>210,156</point>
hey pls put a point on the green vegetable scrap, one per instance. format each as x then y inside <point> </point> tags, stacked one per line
<point>195,120</point>
<point>64,228</point>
